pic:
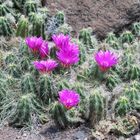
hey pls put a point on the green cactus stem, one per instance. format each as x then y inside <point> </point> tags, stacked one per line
<point>96,107</point>
<point>127,36</point>
<point>122,106</point>
<point>136,28</point>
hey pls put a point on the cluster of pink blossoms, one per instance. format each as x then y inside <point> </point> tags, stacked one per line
<point>67,52</point>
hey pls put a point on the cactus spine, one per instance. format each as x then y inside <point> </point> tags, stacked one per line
<point>28,84</point>
<point>58,113</point>
<point>122,106</point>
<point>96,107</point>
<point>22,27</point>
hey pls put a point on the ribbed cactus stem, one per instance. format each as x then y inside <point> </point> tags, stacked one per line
<point>28,84</point>
<point>22,27</point>
<point>60,17</point>
<point>5,28</point>
<point>58,113</point>
<point>136,28</point>
<point>37,21</point>
<point>4,10</point>
<point>46,92</point>
<point>30,6</point>
<point>111,37</point>
<point>122,106</point>
<point>85,37</point>
<point>127,36</point>
<point>96,107</point>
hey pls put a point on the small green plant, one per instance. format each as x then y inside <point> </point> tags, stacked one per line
<point>111,37</point>
<point>122,106</point>
<point>96,107</point>
<point>127,36</point>
<point>22,27</point>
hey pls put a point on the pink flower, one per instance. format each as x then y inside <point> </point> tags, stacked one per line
<point>34,43</point>
<point>45,66</point>
<point>68,55</point>
<point>61,40</point>
<point>44,50</point>
<point>106,59</point>
<point>69,98</point>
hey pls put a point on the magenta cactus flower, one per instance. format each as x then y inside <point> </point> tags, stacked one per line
<point>61,40</point>
<point>69,98</point>
<point>44,50</point>
<point>106,59</point>
<point>68,55</point>
<point>34,43</point>
<point>45,66</point>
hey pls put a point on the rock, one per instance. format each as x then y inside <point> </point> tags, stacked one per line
<point>103,16</point>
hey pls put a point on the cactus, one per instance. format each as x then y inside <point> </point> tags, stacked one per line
<point>5,27</point>
<point>46,93</point>
<point>26,105</point>
<point>133,95</point>
<point>136,28</point>
<point>37,21</point>
<point>58,113</point>
<point>14,70</point>
<point>19,4</point>
<point>30,6</point>
<point>127,36</point>
<point>60,17</point>
<point>122,106</point>
<point>10,58</point>
<point>25,63</point>
<point>85,37</point>
<point>114,44</point>
<point>4,9</point>
<point>65,29</point>
<point>22,27</point>
<point>111,37</point>
<point>127,59</point>
<point>112,80</point>
<point>28,84</point>
<point>96,107</point>
<point>132,72</point>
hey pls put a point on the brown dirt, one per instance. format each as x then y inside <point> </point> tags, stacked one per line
<point>102,15</point>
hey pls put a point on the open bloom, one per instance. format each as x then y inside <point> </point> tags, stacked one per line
<point>45,66</point>
<point>61,40</point>
<point>69,98</point>
<point>44,50</point>
<point>69,55</point>
<point>34,43</point>
<point>106,59</point>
